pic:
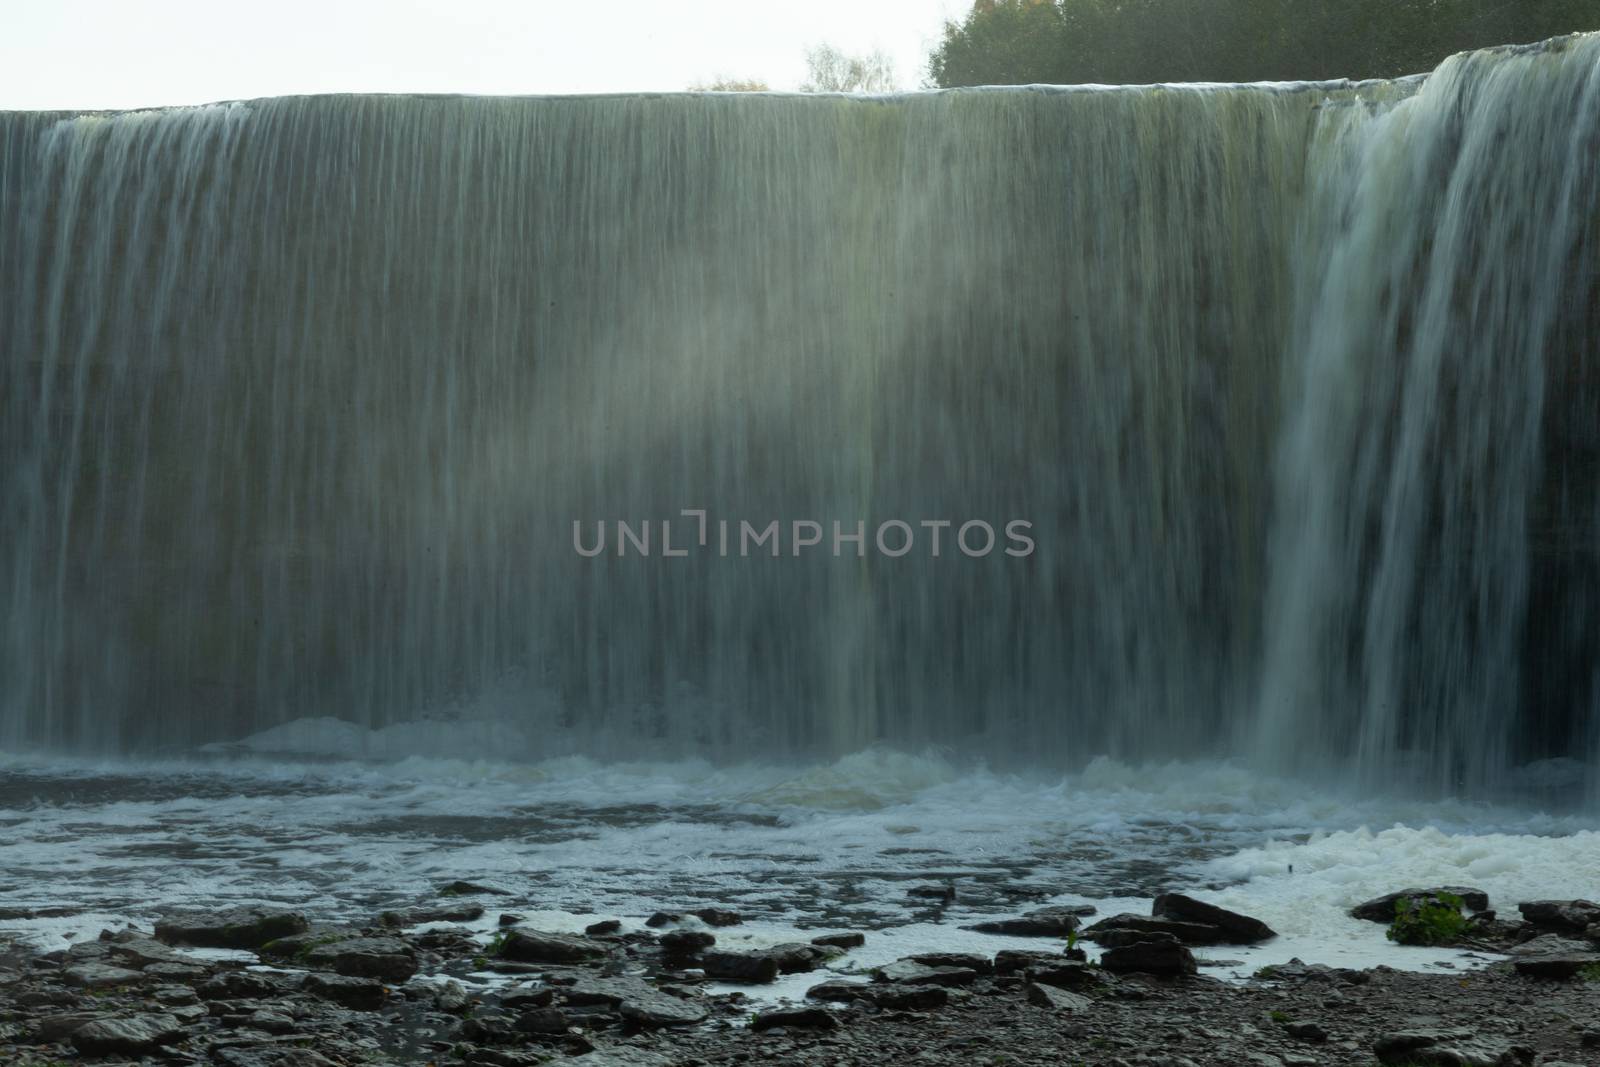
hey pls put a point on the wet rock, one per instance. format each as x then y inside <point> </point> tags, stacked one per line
<point>533,946</point>
<point>297,946</point>
<point>451,998</point>
<point>909,997</point>
<point>1305,1030</point>
<point>471,889</point>
<point>637,1001</point>
<point>1150,957</point>
<point>970,960</point>
<point>1054,999</point>
<point>176,972</point>
<point>460,913</point>
<point>753,968</point>
<point>270,1022</point>
<point>1070,974</point>
<point>1382,909</point>
<point>1237,929</point>
<point>663,918</point>
<point>718,917</point>
<point>1129,929</point>
<point>844,941</point>
<point>99,976</point>
<point>126,1034</point>
<point>1014,961</point>
<point>53,1028</point>
<point>599,929</point>
<point>386,958</point>
<point>681,943</point>
<point>1055,921</point>
<point>910,972</point>
<point>359,994</point>
<point>243,928</point>
<point>1559,965</point>
<point>1573,916</point>
<point>242,985</point>
<point>795,1018</point>
<point>795,958</point>
<point>1448,1048</point>
<point>174,994</point>
<point>543,1021</point>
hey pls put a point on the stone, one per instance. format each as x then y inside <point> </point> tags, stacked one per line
<point>543,1021</point>
<point>1070,974</point>
<point>523,997</point>
<point>1128,929</point>
<point>1573,916</point>
<point>1382,909</point>
<point>1238,929</point>
<point>1150,957</point>
<point>795,958</point>
<point>386,958</point>
<point>844,941</point>
<point>1015,961</point>
<point>1055,921</point>
<point>52,1028</point>
<point>270,1022</point>
<point>243,928</point>
<point>599,929</point>
<point>179,972</point>
<point>533,946</point>
<point>663,918</point>
<point>459,913</point>
<point>638,1002</point>
<point>718,917</point>
<point>99,976</point>
<point>126,1034</point>
<point>242,985</point>
<point>910,997</point>
<point>686,942</point>
<point>269,1056</point>
<point>358,994</point>
<point>795,1018</point>
<point>911,972</point>
<point>1054,999</point>
<point>471,889</point>
<point>971,960</point>
<point>1449,1048</point>
<point>1305,1030</point>
<point>1560,965</point>
<point>751,968</point>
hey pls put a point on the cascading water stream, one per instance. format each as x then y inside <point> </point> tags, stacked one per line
<point>1296,385</point>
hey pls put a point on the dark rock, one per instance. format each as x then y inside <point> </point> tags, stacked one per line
<point>245,928</point>
<point>270,1022</point>
<point>971,960</point>
<point>1128,929</point>
<point>795,958</point>
<point>99,976</point>
<point>910,972</point>
<point>663,918</point>
<point>686,942</point>
<point>599,929</point>
<point>1238,929</point>
<point>745,967</point>
<point>1573,916</point>
<point>386,958</point>
<point>52,1028</point>
<point>637,1001</point>
<point>719,917</point>
<point>543,1021</point>
<point>179,972</point>
<point>1014,961</point>
<point>533,946</point>
<point>471,889</point>
<point>1561,965</point>
<point>1150,957</point>
<point>126,1034</point>
<point>461,913</point>
<point>242,985</point>
<point>269,1056</point>
<point>1448,1048</point>
<point>1055,921</point>
<point>359,994</point>
<point>795,1018</point>
<point>1071,974</point>
<point>910,997</point>
<point>1382,909</point>
<point>523,997</point>
<point>1047,996</point>
<point>844,941</point>
<point>1303,1030</point>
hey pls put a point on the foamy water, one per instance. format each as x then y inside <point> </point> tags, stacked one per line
<point>832,846</point>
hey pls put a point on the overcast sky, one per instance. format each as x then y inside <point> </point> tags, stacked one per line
<point>123,53</point>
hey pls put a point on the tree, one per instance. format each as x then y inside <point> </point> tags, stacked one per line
<point>832,71</point>
<point>722,84</point>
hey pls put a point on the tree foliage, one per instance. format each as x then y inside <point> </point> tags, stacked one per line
<point>722,84</point>
<point>1064,42</point>
<point>829,70</point>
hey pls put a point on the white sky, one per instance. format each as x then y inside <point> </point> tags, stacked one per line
<point>123,53</point>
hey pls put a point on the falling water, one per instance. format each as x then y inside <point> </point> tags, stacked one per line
<point>1296,385</point>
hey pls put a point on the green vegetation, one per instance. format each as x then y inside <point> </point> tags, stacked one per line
<point>1269,971</point>
<point>497,943</point>
<point>1279,1017</point>
<point>1134,42</point>
<point>1590,973</point>
<point>1433,921</point>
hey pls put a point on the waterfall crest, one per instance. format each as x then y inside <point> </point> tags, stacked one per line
<point>1295,385</point>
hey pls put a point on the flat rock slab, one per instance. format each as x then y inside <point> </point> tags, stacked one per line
<point>910,972</point>
<point>1382,909</point>
<point>1238,929</point>
<point>1151,957</point>
<point>888,996</point>
<point>1056,921</point>
<point>1128,929</point>
<point>1045,996</point>
<point>844,941</point>
<point>795,1018</point>
<point>638,1002</point>
<point>750,968</point>
<point>100,976</point>
<point>367,957</point>
<point>1557,964</point>
<point>535,946</point>
<point>244,928</point>
<point>1449,1048</point>
<point>1573,916</point>
<point>358,994</point>
<point>127,1034</point>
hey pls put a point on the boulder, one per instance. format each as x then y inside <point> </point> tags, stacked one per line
<point>599,929</point>
<point>1560,965</point>
<point>844,941</point>
<point>543,1021</point>
<point>638,1002</point>
<point>52,1028</point>
<point>718,917</point>
<point>887,997</point>
<point>910,972</point>
<point>534,946</point>
<point>1129,929</point>
<point>749,968</point>
<point>795,1018</point>
<point>1150,957</point>
<point>1055,921</point>
<point>386,958</point>
<point>1382,909</point>
<point>1238,929</point>
<point>1572,916</point>
<point>244,928</point>
<point>359,994</point>
<point>457,913</point>
<point>1054,999</point>
<point>126,1034</point>
<point>686,942</point>
<point>970,960</point>
<point>795,958</point>
<point>471,889</point>
<point>1449,1048</point>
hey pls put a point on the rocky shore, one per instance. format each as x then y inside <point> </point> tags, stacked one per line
<point>259,988</point>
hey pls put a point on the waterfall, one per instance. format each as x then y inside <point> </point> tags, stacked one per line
<point>1294,384</point>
